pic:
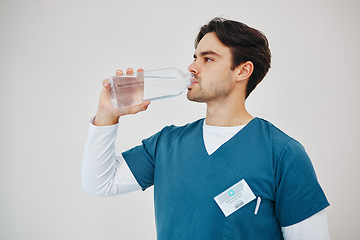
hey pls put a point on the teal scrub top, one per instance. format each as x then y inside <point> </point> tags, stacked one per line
<point>186,179</point>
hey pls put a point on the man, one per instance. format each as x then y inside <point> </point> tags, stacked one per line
<point>228,176</point>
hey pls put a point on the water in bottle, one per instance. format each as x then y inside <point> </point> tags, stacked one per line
<point>128,90</point>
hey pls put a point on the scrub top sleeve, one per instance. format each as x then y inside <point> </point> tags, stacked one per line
<point>298,192</point>
<point>142,159</point>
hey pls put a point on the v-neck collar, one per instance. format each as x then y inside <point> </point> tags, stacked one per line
<point>203,146</point>
<point>206,164</point>
<point>214,136</point>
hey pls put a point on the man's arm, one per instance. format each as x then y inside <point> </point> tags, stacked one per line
<point>103,173</point>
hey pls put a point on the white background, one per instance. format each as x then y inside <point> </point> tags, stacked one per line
<point>55,54</point>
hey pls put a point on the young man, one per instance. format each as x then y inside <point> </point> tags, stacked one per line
<point>228,176</point>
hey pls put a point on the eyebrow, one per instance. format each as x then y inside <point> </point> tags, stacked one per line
<point>207,53</point>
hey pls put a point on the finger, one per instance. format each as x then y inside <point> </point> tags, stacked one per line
<point>119,72</point>
<point>129,71</point>
<point>140,107</point>
<point>144,105</point>
<point>106,83</point>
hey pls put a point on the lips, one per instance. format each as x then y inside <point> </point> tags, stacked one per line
<point>192,83</point>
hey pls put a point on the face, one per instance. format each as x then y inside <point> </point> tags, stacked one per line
<point>214,79</point>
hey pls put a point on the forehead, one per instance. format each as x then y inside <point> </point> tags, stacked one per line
<point>210,42</point>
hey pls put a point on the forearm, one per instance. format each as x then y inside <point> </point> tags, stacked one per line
<point>103,173</point>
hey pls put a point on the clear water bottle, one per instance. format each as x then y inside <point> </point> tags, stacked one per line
<point>128,90</point>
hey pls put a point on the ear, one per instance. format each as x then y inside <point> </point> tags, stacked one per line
<point>244,71</point>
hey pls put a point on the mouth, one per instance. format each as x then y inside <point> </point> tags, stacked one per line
<point>192,83</point>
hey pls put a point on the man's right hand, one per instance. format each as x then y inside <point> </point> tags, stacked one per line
<point>106,113</point>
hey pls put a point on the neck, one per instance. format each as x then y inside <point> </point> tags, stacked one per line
<point>227,114</point>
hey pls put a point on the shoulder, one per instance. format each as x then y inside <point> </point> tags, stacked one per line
<point>171,132</point>
<point>280,141</point>
<point>271,130</point>
<point>288,153</point>
<point>187,128</point>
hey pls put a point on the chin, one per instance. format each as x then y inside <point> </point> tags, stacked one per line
<point>189,98</point>
<point>194,99</point>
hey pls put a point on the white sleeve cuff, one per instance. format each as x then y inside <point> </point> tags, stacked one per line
<point>314,228</point>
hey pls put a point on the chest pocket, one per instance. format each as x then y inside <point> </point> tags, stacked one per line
<point>243,224</point>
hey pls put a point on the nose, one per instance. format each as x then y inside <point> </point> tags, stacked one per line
<point>193,68</point>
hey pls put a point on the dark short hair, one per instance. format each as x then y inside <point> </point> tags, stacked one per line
<point>245,43</point>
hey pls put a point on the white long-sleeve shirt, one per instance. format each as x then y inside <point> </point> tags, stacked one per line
<point>104,174</point>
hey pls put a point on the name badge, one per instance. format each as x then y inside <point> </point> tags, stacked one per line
<point>234,197</point>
